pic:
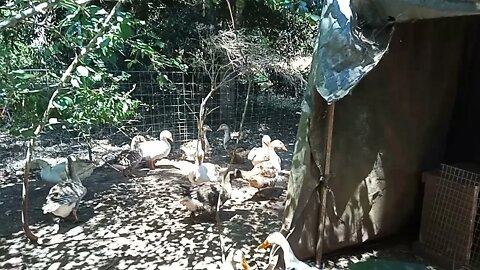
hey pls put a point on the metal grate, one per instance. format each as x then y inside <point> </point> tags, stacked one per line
<point>450,225</point>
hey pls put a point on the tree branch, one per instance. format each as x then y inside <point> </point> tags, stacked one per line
<point>46,114</point>
<point>29,12</point>
<point>231,13</point>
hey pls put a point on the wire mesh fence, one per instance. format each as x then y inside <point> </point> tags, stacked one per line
<point>174,105</point>
<point>450,230</point>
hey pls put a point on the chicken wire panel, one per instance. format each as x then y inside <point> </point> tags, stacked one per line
<point>174,105</point>
<point>449,221</point>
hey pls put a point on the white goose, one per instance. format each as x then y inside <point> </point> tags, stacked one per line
<point>291,261</point>
<point>156,150</point>
<point>203,172</point>
<point>65,197</point>
<point>235,261</point>
<point>58,173</point>
<point>260,154</point>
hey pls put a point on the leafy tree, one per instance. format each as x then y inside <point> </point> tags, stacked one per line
<point>93,95</point>
<point>82,95</point>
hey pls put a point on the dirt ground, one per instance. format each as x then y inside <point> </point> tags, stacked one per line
<point>133,223</point>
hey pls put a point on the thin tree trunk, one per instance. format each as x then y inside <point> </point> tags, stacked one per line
<point>46,114</point>
<point>25,213</point>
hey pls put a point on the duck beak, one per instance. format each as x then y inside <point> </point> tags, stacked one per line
<point>219,128</point>
<point>245,264</point>
<point>284,148</point>
<point>171,139</point>
<point>264,245</point>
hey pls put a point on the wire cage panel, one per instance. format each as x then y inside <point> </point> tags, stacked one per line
<point>449,228</point>
<point>171,100</point>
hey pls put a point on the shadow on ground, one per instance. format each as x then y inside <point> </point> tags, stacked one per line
<point>130,223</point>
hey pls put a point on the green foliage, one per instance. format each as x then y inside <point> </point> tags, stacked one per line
<point>309,10</point>
<point>95,100</point>
<point>92,95</point>
<point>144,35</point>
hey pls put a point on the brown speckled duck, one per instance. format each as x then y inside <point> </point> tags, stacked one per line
<point>128,160</point>
<point>238,155</point>
<point>204,197</point>
<point>65,196</point>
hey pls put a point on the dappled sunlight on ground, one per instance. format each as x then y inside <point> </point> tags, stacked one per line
<point>132,224</point>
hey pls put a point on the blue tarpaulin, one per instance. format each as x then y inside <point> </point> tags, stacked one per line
<point>346,49</point>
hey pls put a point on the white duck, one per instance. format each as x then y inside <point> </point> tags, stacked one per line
<point>266,173</point>
<point>190,148</point>
<point>273,156</point>
<point>235,261</point>
<point>156,150</point>
<point>65,197</point>
<point>203,172</point>
<point>58,173</point>
<point>260,154</point>
<point>291,261</point>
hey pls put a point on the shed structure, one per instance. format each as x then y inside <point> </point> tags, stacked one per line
<point>404,88</point>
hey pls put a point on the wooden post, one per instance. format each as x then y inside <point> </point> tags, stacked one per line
<point>323,187</point>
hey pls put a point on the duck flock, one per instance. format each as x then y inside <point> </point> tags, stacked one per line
<point>210,185</point>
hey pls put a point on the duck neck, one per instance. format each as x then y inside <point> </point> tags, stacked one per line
<point>165,140</point>
<point>227,185</point>
<point>226,136</point>
<point>288,254</point>
<point>199,161</point>
<point>272,153</point>
<point>72,172</point>
<point>205,140</point>
<point>133,145</point>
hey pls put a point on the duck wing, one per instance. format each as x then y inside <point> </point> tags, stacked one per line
<point>258,155</point>
<point>83,168</point>
<point>55,174</point>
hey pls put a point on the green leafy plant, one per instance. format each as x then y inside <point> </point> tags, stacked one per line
<point>92,95</point>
